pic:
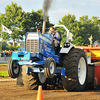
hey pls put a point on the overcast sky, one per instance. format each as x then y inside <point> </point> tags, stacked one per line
<point>59,7</point>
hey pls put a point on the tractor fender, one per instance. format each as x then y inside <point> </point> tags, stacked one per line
<point>66,49</point>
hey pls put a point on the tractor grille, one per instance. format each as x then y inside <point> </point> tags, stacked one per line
<point>32,46</point>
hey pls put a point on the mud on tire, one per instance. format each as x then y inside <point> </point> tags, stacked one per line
<point>75,63</point>
<point>31,82</point>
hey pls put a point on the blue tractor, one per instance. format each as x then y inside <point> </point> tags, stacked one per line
<point>43,64</point>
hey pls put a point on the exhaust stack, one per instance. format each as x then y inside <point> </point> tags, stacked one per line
<point>44,25</point>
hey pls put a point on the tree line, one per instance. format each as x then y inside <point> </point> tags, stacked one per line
<point>20,22</point>
<point>81,29</point>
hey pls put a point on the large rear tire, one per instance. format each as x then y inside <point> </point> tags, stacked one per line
<point>13,68</point>
<point>31,82</point>
<point>75,63</point>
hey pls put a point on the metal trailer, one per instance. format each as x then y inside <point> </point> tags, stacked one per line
<point>42,64</point>
<point>93,60</point>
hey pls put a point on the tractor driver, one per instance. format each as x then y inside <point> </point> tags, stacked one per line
<point>56,38</point>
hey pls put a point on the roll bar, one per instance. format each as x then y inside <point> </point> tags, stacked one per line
<point>67,37</point>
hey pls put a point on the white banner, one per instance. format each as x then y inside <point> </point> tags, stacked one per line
<point>5,29</point>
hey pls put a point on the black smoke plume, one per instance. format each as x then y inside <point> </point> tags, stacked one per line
<point>46,7</point>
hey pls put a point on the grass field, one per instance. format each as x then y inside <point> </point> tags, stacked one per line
<point>3,63</point>
<point>4,73</point>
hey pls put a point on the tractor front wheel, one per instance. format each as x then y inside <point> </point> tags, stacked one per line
<point>13,68</point>
<point>49,67</point>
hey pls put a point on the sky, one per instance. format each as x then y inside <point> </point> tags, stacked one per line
<point>59,8</point>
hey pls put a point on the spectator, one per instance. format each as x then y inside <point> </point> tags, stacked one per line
<point>6,53</point>
<point>2,54</point>
<point>9,53</point>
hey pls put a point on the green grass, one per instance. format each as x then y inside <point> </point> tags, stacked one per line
<point>3,63</point>
<point>4,73</point>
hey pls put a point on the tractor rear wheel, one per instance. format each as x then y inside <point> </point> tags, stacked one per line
<point>13,68</point>
<point>31,82</point>
<point>75,64</point>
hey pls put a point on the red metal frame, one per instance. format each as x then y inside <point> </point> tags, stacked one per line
<point>97,76</point>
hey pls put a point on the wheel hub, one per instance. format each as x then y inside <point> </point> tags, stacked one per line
<point>82,70</point>
<point>52,68</point>
<point>16,68</point>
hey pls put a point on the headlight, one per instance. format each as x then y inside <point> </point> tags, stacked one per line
<point>66,45</point>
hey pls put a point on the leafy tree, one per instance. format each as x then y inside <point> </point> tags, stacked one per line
<point>88,27</point>
<point>69,21</point>
<point>14,20</point>
<point>95,28</point>
<point>20,22</point>
<point>81,34</point>
<point>81,29</point>
<point>0,26</point>
<point>34,21</point>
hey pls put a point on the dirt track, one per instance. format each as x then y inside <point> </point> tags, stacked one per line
<point>10,91</point>
<point>3,67</point>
